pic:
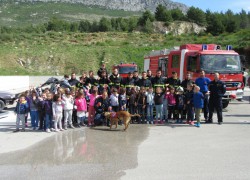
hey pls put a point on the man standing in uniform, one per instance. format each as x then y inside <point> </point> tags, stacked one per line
<point>136,77</point>
<point>73,81</point>
<point>128,82</point>
<point>91,79</point>
<point>187,81</point>
<point>203,82</point>
<point>174,81</point>
<point>158,80</point>
<point>144,81</point>
<point>217,89</point>
<point>102,68</point>
<point>149,75</point>
<point>115,79</point>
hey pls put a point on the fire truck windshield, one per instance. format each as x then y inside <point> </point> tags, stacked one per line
<point>222,63</point>
<point>127,69</point>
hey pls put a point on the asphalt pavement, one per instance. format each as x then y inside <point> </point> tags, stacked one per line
<point>173,151</point>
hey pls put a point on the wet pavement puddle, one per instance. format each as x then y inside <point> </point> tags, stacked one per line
<point>89,153</point>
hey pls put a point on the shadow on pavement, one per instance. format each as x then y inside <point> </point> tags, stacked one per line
<point>86,153</point>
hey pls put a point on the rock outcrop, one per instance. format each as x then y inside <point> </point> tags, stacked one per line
<point>126,5</point>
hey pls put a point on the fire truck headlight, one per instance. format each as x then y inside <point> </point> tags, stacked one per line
<point>239,85</point>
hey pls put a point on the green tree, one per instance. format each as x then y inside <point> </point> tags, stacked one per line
<point>177,15</point>
<point>94,27</point>
<point>56,24</point>
<point>124,24</point>
<point>148,27</point>
<point>74,27</point>
<point>162,14</point>
<point>147,15</point>
<point>215,25</point>
<point>105,25</point>
<point>243,20</point>
<point>230,22</point>
<point>196,15</point>
<point>132,23</point>
<point>84,26</point>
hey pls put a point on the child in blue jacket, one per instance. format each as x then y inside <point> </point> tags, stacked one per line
<point>198,102</point>
<point>21,111</point>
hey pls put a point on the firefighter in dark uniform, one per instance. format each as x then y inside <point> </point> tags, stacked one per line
<point>128,82</point>
<point>217,89</point>
<point>102,68</point>
<point>91,79</point>
<point>103,83</point>
<point>187,81</point>
<point>144,81</point>
<point>174,81</point>
<point>158,80</point>
<point>136,77</point>
<point>149,75</point>
<point>115,79</point>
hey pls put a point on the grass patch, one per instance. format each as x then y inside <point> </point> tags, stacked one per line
<point>62,53</point>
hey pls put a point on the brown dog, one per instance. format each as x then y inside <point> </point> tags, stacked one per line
<point>124,116</point>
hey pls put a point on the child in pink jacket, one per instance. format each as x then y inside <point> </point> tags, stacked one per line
<point>81,108</point>
<point>91,111</point>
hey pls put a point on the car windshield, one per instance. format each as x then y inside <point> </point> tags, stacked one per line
<point>126,69</point>
<point>220,63</point>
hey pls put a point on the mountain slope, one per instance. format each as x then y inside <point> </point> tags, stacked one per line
<point>126,5</point>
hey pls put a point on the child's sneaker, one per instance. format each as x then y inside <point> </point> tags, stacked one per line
<point>52,129</point>
<point>197,125</point>
<point>191,123</point>
<point>61,129</point>
<point>48,130</point>
<point>71,126</point>
<point>56,130</point>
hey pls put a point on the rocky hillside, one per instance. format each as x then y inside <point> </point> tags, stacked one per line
<point>126,5</point>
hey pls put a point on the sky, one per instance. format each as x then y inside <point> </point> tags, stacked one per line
<point>218,5</point>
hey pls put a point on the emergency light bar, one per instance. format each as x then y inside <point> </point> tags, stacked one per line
<point>217,47</point>
<point>229,47</point>
<point>204,47</point>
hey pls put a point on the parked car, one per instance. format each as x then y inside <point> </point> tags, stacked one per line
<point>6,98</point>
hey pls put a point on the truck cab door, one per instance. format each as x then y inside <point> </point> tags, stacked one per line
<point>162,65</point>
<point>174,63</point>
<point>192,65</point>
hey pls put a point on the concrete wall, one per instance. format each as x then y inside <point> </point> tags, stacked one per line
<point>17,84</point>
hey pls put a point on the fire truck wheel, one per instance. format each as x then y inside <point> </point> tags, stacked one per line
<point>2,105</point>
<point>225,104</point>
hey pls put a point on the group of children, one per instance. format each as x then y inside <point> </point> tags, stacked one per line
<point>55,112</point>
<point>76,108</point>
<point>170,104</point>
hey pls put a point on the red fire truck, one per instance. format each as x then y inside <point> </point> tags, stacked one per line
<point>125,68</point>
<point>208,57</point>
